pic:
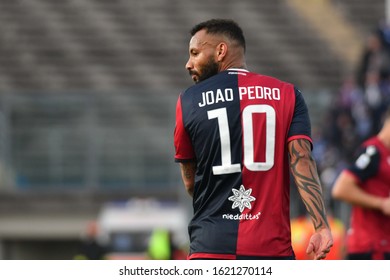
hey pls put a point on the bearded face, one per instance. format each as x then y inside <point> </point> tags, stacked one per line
<point>203,53</point>
<point>209,69</point>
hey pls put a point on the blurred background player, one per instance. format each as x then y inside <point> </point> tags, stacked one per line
<point>366,186</point>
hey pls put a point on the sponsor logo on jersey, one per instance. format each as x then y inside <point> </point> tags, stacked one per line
<point>242,199</point>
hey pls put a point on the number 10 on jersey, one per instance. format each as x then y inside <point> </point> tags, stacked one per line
<point>227,166</point>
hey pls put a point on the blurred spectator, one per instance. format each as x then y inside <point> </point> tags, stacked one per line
<point>91,249</point>
<point>375,58</point>
<point>162,246</point>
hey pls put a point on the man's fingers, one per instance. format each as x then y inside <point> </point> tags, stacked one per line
<point>326,250</point>
<point>310,248</point>
<point>320,257</point>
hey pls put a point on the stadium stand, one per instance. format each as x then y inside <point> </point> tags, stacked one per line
<point>112,44</point>
<point>365,15</point>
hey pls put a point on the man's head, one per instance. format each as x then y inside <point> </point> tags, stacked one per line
<point>215,46</point>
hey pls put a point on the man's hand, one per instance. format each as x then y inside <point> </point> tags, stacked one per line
<point>320,243</point>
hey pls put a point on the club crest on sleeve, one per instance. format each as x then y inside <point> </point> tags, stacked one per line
<point>364,159</point>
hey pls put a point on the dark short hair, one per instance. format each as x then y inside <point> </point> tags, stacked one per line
<point>225,27</point>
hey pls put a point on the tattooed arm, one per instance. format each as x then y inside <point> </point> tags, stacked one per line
<point>188,170</point>
<point>304,171</point>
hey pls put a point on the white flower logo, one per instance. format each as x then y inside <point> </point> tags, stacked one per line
<point>242,198</point>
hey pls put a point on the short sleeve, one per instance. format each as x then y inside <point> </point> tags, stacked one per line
<point>300,125</point>
<point>366,164</point>
<point>182,142</point>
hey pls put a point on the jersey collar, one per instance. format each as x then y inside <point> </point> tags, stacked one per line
<point>237,69</point>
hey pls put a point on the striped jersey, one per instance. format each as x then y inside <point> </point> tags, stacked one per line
<point>236,126</point>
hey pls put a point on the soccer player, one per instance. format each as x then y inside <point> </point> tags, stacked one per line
<point>236,134</point>
<point>366,186</point>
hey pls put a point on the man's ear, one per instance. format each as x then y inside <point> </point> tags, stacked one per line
<point>221,51</point>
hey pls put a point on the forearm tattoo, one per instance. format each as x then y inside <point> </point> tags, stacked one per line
<point>304,170</point>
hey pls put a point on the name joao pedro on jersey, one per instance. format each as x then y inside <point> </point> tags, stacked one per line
<point>251,92</point>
